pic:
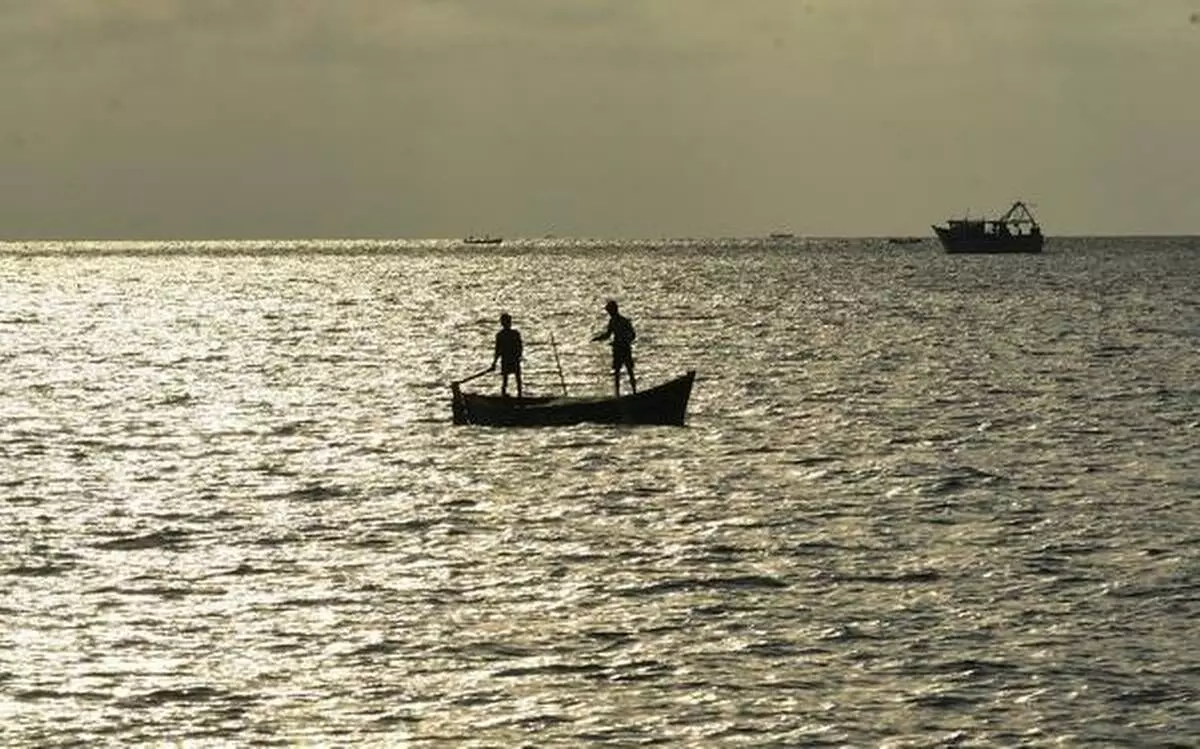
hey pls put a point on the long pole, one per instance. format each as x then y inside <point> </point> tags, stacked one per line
<point>562,380</point>
<point>468,378</point>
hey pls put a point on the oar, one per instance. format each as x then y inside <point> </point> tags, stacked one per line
<point>562,380</point>
<point>468,378</point>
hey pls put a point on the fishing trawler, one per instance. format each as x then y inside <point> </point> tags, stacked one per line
<point>1015,231</point>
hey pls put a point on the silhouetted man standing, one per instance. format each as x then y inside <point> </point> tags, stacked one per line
<point>508,352</point>
<point>622,334</point>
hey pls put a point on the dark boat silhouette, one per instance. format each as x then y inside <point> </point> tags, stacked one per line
<point>485,239</point>
<point>1015,231</point>
<point>662,405</point>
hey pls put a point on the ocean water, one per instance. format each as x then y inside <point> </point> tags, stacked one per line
<point>922,500</point>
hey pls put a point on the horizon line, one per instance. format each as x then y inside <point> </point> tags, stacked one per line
<point>790,237</point>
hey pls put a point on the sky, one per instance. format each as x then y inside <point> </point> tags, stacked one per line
<point>222,119</point>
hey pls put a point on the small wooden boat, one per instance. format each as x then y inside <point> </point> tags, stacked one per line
<point>663,405</point>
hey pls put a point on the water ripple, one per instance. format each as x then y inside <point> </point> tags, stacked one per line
<point>922,500</point>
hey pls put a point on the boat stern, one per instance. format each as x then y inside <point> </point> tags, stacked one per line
<point>458,405</point>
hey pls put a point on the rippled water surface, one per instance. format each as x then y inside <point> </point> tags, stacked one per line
<point>922,500</point>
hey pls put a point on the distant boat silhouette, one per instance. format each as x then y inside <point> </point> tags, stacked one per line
<point>1015,231</point>
<point>905,240</point>
<point>782,235</point>
<point>485,239</point>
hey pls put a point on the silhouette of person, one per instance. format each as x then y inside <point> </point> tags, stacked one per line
<point>508,352</point>
<point>622,333</point>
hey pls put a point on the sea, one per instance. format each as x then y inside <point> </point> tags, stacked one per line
<point>921,500</point>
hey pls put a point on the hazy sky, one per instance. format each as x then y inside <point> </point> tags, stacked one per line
<point>611,118</point>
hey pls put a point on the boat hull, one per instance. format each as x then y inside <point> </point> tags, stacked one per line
<point>955,242</point>
<point>662,405</point>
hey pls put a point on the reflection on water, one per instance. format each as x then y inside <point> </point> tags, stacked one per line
<point>922,499</point>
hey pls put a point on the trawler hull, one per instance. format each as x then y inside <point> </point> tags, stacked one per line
<point>958,242</point>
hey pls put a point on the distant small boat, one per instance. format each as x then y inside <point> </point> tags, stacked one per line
<point>485,239</point>
<point>1015,231</point>
<point>782,235</point>
<point>905,240</point>
<point>662,405</point>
